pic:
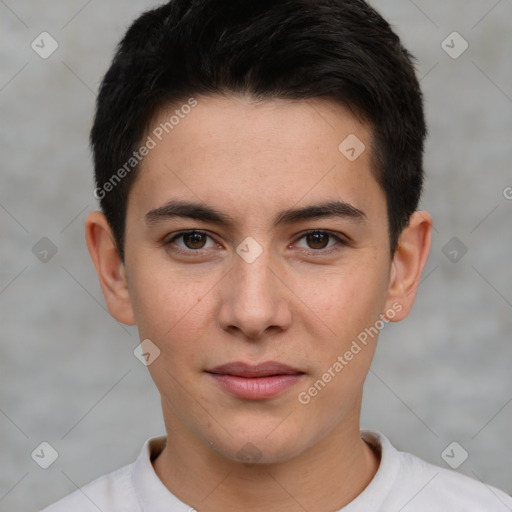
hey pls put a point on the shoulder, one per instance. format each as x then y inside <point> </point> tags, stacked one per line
<point>122,490</point>
<point>421,486</point>
<point>113,492</point>
<point>407,483</point>
<point>447,486</point>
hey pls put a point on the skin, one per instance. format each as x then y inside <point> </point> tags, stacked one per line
<point>301,302</point>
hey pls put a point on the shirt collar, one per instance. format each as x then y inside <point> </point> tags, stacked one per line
<point>382,483</point>
<point>153,496</point>
<point>151,493</point>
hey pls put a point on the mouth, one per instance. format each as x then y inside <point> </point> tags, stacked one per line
<point>255,382</point>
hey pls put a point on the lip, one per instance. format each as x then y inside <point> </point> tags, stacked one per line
<point>255,382</point>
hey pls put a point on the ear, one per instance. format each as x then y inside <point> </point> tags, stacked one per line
<point>109,267</point>
<point>407,264</point>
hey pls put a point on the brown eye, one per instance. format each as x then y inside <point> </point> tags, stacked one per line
<point>194,240</point>
<point>317,240</point>
<point>321,242</point>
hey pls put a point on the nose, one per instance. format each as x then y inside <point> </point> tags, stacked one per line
<point>254,300</point>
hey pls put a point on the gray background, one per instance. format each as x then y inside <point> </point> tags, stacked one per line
<point>68,375</point>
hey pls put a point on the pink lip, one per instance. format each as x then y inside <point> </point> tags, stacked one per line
<point>255,382</point>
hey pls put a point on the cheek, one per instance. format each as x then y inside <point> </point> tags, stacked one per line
<point>175,315</point>
<point>349,299</point>
<point>349,302</point>
<point>168,305</point>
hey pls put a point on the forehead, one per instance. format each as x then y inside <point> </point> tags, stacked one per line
<point>233,151</point>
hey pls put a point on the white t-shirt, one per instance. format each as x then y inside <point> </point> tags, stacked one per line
<point>402,483</point>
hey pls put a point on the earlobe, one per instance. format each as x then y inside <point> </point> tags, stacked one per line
<point>408,263</point>
<point>109,267</point>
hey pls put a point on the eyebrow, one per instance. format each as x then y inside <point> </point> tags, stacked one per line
<point>204,213</point>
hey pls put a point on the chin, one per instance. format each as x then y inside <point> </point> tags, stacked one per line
<point>267,447</point>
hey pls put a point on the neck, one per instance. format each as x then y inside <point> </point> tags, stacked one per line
<point>324,477</point>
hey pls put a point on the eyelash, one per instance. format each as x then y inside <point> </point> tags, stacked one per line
<point>340,242</point>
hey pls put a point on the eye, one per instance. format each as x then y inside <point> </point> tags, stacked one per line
<point>192,241</point>
<point>196,241</point>
<point>318,240</point>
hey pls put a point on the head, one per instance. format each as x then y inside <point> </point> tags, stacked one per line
<point>289,135</point>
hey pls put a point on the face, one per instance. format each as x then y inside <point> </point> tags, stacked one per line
<point>257,262</point>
